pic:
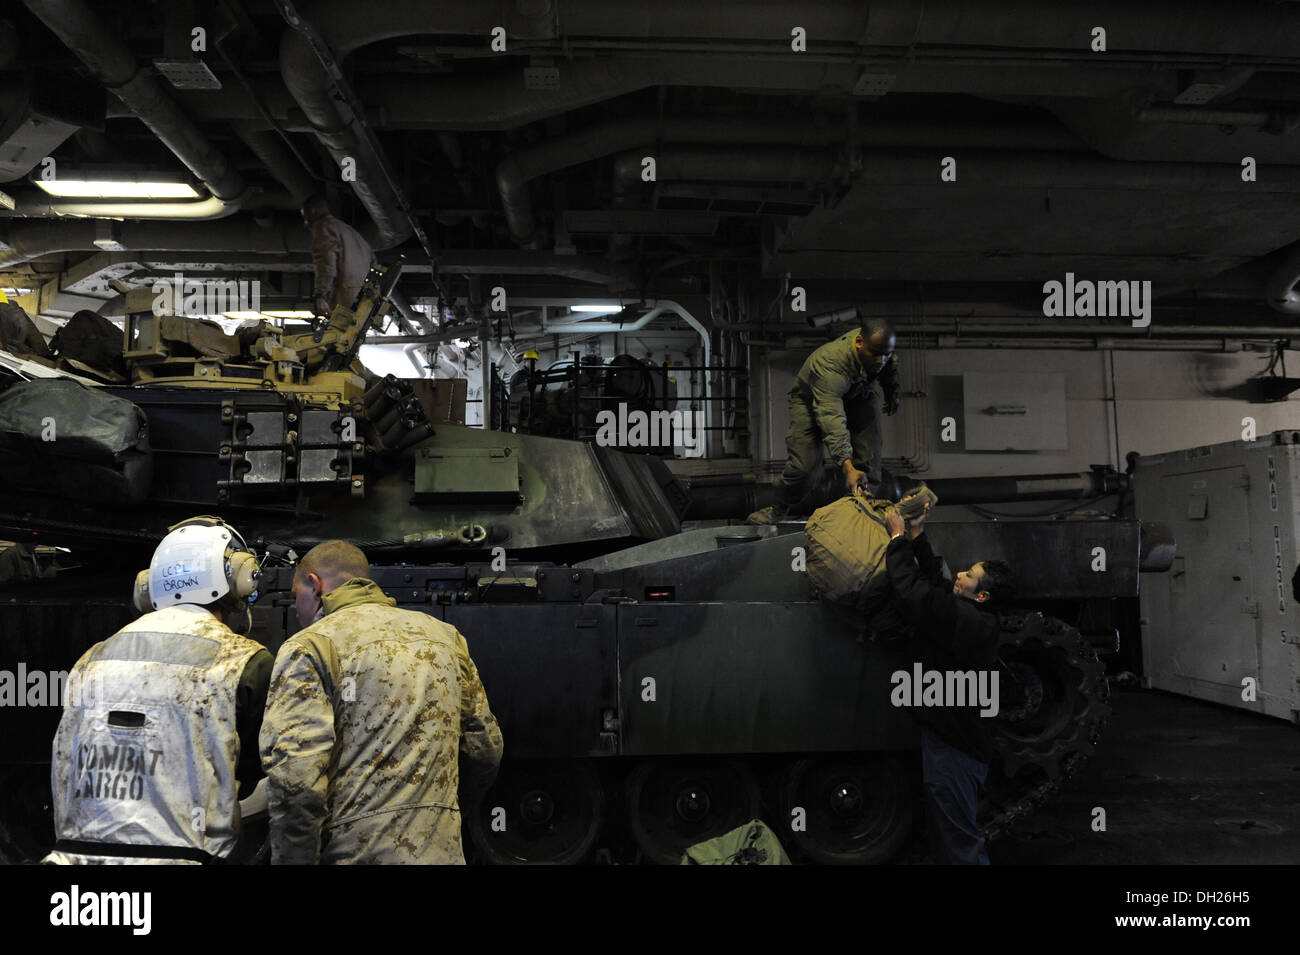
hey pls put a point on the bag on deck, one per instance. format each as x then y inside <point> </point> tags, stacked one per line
<point>750,844</point>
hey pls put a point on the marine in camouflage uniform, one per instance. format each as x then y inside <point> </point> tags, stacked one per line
<point>368,708</point>
<point>833,406</point>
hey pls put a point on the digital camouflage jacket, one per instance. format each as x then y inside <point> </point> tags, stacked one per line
<point>368,709</point>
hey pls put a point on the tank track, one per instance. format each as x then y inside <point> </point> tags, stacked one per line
<point>1059,709</point>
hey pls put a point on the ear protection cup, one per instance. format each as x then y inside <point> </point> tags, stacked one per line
<point>243,574</point>
<point>140,592</point>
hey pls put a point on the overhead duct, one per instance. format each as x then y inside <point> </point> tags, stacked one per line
<point>270,149</point>
<point>494,102</point>
<point>28,239</point>
<point>514,173</point>
<point>110,62</point>
<point>38,113</point>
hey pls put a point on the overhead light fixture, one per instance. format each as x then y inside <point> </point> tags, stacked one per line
<point>600,309</point>
<point>108,237</point>
<point>7,201</point>
<point>113,184</point>
<point>301,313</point>
<point>244,316</point>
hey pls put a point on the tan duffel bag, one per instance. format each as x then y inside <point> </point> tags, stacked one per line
<point>845,546</point>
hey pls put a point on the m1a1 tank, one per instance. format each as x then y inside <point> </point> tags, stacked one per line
<point>654,687</point>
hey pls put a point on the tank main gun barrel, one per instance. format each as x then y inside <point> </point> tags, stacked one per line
<point>727,496</point>
<point>1029,487</point>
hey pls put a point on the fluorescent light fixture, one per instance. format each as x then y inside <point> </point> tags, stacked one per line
<point>7,201</point>
<point>602,309</point>
<point>15,292</point>
<point>244,316</point>
<point>77,187</point>
<point>301,313</point>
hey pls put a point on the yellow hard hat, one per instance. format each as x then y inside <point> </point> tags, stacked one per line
<point>531,354</point>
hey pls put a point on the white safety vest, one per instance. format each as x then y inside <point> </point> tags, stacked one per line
<point>146,751</point>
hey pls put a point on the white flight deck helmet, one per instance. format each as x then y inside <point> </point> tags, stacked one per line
<point>201,561</point>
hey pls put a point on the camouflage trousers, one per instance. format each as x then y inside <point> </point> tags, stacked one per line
<point>805,451</point>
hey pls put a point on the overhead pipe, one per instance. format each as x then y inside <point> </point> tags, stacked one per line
<point>314,84</point>
<point>109,60</point>
<point>310,54</point>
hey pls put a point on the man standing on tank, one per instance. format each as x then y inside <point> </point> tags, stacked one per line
<point>341,259</point>
<point>368,710</point>
<point>833,406</point>
<point>954,631</point>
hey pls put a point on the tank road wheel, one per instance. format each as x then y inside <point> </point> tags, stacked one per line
<point>672,805</point>
<point>539,813</point>
<point>856,809</point>
<point>1052,708</point>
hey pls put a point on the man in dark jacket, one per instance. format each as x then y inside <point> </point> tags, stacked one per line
<point>955,633</point>
<point>834,410</point>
